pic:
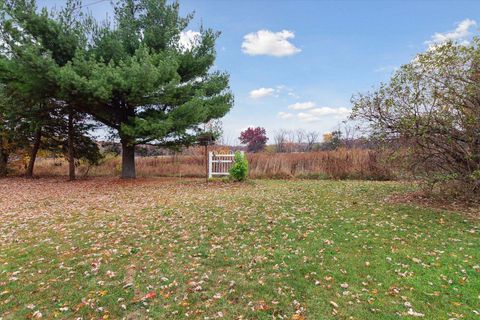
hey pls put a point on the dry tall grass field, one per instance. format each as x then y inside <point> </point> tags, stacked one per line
<point>340,164</point>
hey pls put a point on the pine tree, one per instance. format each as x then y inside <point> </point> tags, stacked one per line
<point>35,46</point>
<point>137,78</point>
<point>134,75</point>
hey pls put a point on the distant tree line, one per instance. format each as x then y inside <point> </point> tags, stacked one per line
<point>300,140</point>
<point>346,135</point>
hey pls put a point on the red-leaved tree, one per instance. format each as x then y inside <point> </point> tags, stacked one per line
<point>254,138</point>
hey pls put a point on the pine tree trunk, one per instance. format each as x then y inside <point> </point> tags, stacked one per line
<point>128,159</point>
<point>71,154</point>
<point>33,153</point>
<point>3,162</point>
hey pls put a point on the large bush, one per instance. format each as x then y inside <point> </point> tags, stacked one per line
<point>239,170</point>
<point>431,108</point>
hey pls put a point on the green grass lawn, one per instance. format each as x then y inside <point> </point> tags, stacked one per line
<point>173,249</point>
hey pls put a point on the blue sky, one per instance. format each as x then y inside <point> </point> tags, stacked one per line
<point>311,56</point>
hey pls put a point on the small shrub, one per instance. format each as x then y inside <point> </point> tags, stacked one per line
<point>239,170</point>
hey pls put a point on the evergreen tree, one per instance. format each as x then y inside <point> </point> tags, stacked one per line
<point>13,132</point>
<point>139,79</point>
<point>134,76</point>
<point>34,46</point>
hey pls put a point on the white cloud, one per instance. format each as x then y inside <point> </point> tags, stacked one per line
<point>261,93</point>
<point>461,32</point>
<point>266,42</point>
<point>307,117</point>
<point>189,39</point>
<point>302,105</point>
<point>293,95</point>
<point>327,111</point>
<point>276,92</point>
<point>389,68</point>
<point>289,91</point>
<point>315,114</point>
<point>285,115</point>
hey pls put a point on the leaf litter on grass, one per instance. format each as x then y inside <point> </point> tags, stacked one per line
<point>171,249</point>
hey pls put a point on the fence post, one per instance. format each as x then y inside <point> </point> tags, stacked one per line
<point>210,164</point>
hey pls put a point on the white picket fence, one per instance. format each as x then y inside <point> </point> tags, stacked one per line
<point>220,164</point>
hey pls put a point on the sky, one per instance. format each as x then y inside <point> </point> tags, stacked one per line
<point>296,64</point>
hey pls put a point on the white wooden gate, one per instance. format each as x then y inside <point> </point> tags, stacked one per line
<point>220,164</point>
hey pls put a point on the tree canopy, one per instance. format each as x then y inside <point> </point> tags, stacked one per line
<point>132,74</point>
<point>138,79</point>
<point>254,138</point>
<point>35,44</point>
<point>432,105</point>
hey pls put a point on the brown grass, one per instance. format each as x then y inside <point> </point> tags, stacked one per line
<point>339,164</point>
